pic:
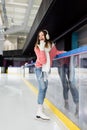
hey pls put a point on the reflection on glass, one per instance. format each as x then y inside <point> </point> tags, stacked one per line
<point>67,74</point>
<point>83,91</point>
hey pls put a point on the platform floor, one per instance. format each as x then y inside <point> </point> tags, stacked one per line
<point>18,107</point>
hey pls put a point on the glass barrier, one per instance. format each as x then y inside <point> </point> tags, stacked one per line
<point>83,91</point>
<point>67,88</point>
<point>72,72</point>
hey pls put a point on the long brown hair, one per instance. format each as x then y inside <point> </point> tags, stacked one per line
<point>48,42</point>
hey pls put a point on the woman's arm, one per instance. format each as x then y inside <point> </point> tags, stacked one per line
<point>55,52</point>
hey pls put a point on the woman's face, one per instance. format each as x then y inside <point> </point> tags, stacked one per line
<point>41,36</point>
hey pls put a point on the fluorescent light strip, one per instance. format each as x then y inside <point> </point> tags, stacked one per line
<point>17,4</point>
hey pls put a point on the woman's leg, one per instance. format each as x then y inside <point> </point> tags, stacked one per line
<point>42,88</point>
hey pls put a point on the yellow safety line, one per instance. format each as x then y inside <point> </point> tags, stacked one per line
<point>62,117</point>
<point>55,110</point>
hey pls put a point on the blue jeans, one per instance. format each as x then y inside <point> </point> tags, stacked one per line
<point>42,85</point>
<point>67,83</point>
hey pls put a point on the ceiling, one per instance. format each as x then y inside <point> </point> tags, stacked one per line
<point>26,17</point>
<point>18,15</point>
<point>61,18</point>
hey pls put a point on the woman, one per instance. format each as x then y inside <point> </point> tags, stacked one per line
<point>45,51</point>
